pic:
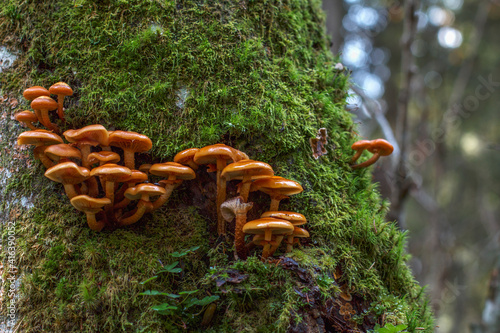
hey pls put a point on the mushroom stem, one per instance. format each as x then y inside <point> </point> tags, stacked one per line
<point>85,149</point>
<point>128,159</point>
<point>357,155</point>
<point>39,154</point>
<point>44,114</point>
<point>289,243</point>
<point>93,223</point>
<point>60,101</point>
<point>277,244</point>
<point>139,212</point>
<point>164,197</point>
<point>266,252</point>
<point>239,235</point>
<point>367,163</point>
<point>110,194</point>
<point>221,196</point>
<point>70,190</point>
<point>245,187</point>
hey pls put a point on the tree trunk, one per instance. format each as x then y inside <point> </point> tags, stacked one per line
<point>256,75</point>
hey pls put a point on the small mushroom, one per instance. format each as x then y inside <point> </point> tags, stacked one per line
<point>131,143</point>
<point>175,174</point>
<point>36,91</point>
<point>103,157</point>
<point>145,168</point>
<point>278,188</point>
<point>267,226</point>
<point>62,153</point>
<point>90,206</point>
<point>142,192</point>
<point>186,157</point>
<point>110,173</point>
<point>27,118</point>
<point>128,181</point>
<point>42,105</point>
<point>237,208</point>
<point>247,171</point>
<point>60,89</point>
<point>69,174</point>
<point>41,139</point>
<point>218,154</point>
<point>359,147</point>
<point>378,147</point>
<point>294,218</point>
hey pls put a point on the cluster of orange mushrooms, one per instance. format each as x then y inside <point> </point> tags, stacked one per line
<point>113,195</point>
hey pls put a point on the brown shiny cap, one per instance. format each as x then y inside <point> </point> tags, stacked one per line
<point>292,217</point>
<point>38,137</point>
<point>381,146</point>
<point>44,103</point>
<point>277,186</point>
<point>95,133</point>
<point>61,88</point>
<point>138,191</point>
<point>87,204</point>
<point>34,92</point>
<point>67,173</point>
<point>62,150</point>
<point>173,169</point>
<point>131,141</point>
<point>254,169</point>
<point>103,157</point>
<point>210,154</point>
<point>111,172</point>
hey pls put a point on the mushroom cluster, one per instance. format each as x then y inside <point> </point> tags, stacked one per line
<point>378,147</point>
<point>114,194</point>
<point>42,104</point>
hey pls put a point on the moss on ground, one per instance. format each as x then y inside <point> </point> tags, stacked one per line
<point>254,74</point>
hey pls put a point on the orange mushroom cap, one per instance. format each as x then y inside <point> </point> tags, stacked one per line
<point>111,172</point>
<point>381,146</point>
<point>131,141</point>
<point>95,133</point>
<point>61,88</point>
<point>210,154</point>
<point>34,92</point>
<point>38,137</point>
<point>172,169</point>
<point>276,186</point>
<point>67,173</point>
<point>27,117</point>
<point>186,157</point>
<point>362,144</point>
<point>254,169</point>
<point>87,204</point>
<point>103,157</point>
<point>292,217</point>
<point>141,190</point>
<point>62,150</point>
<point>44,103</point>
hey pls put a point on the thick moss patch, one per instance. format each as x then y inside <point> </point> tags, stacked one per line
<point>256,75</point>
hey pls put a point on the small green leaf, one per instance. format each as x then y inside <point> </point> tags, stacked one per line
<point>170,268</point>
<point>156,292</point>
<point>150,279</point>
<point>207,300</point>
<point>163,307</point>
<point>188,292</point>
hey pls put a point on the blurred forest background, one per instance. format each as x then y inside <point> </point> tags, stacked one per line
<point>426,77</point>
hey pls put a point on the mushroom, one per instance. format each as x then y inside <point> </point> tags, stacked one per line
<point>42,105</point>
<point>294,218</point>
<point>186,157</point>
<point>62,153</point>
<point>142,192</point>
<point>130,142</point>
<point>145,168</point>
<point>27,118</point>
<point>39,138</point>
<point>278,188</point>
<point>247,170</point>
<point>267,226</point>
<point>60,89</point>
<point>175,174</point>
<point>230,209</point>
<point>129,181</point>
<point>90,206</point>
<point>292,239</point>
<point>36,91</point>
<point>359,147</point>
<point>103,157</point>
<point>218,154</point>
<point>69,174</point>
<point>86,137</point>
<point>378,147</point>
<point>110,173</point>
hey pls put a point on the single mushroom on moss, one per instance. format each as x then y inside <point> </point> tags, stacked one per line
<point>90,206</point>
<point>42,105</point>
<point>237,208</point>
<point>378,147</point>
<point>175,174</point>
<point>60,89</point>
<point>130,143</point>
<point>69,174</point>
<point>220,155</point>
<point>247,171</point>
<point>278,188</point>
<point>143,192</point>
<point>27,118</point>
<point>294,218</point>
<point>268,226</point>
<point>41,139</point>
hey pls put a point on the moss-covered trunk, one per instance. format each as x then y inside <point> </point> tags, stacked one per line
<point>254,74</point>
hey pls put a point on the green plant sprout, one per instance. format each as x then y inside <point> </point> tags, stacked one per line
<point>178,305</point>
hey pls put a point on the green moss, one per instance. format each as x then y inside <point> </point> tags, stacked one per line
<point>256,75</point>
